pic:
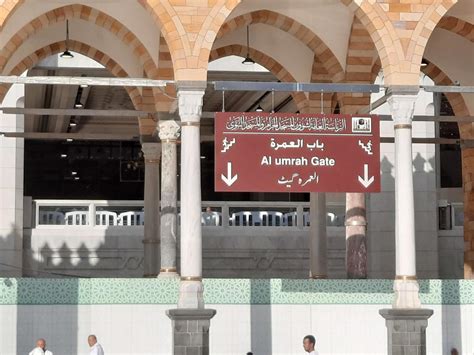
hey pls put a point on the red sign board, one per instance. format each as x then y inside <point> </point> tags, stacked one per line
<point>282,152</point>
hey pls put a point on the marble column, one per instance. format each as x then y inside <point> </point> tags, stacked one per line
<point>191,321</point>
<point>356,241</point>
<point>151,241</point>
<point>318,237</point>
<point>402,105</point>
<point>190,99</point>
<point>169,133</point>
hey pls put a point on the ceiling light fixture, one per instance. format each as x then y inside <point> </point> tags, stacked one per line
<point>259,108</point>
<point>63,156</point>
<point>424,63</point>
<point>73,173</point>
<point>69,140</point>
<point>78,105</point>
<point>66,54</point>
<point>248,60</point>
<point>73,123</point>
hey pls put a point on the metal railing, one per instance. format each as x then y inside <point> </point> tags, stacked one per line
<point>225,214</point>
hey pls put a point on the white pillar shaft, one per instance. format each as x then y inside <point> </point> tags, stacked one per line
<point>191,233</point>
<point>169,191</point>
<point>405,286</point>
<point>190,109</point>
<point>404,205</point>
<point>169,133</point>
<point>151,241</point>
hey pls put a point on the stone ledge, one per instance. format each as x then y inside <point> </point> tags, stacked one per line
<point>190,314</point>
<point>406,314</point>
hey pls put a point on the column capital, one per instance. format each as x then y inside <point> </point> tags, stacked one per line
<point>169,130</point>
<point>190,101</point>
<point>402,107</point>
<point>151,151</point>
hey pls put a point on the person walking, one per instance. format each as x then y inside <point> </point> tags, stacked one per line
<point>40,348</point>
<point>96,348</point>
<point>308,344</point>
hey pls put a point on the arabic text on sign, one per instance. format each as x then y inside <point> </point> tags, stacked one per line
<point>297,144</point>
<point>292,124</point>
<point>295,178</point>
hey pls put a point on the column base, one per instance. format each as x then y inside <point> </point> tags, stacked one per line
<point>191,330</point>
<point>406,294</point>
<point>406,330</point>
<point>169,273</point>
<point>191,294</point>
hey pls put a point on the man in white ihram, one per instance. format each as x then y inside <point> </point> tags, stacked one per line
<point>40,348</point>
<point>96,348</point>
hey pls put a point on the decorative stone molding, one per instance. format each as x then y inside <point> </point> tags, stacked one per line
<point>190,105</point>
<point>406,294</point>
<point>402,108</point>
<point>152,151</point>
<point>169,130</point>
<point>191,295</point>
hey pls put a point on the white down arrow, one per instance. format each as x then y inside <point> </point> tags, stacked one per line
<point>365,181</point>
<point>229,179</point>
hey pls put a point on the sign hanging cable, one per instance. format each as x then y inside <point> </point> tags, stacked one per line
<point>223,100</point>
<point>322,102</point>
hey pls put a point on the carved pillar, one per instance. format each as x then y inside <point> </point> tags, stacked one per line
<point>169,133</point>
<point>151,242</point>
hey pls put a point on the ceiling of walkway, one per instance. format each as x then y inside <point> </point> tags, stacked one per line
<point>116,98</point>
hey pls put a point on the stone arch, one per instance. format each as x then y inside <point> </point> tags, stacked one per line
<point>456,100</point>
<point>165,100</point>
<point>190,43</point>
<point>457,26</point>
<point>175,33</point>
<point>360,62</point>
<point>266,61</point>
<point>400,47</point>
<point>425,27</point>
<point>78,47</point>
<point>319,74</point>
<point>294,28</point>
<point>88,14</point>
<point>376,68</point>
<point>7,8</point>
